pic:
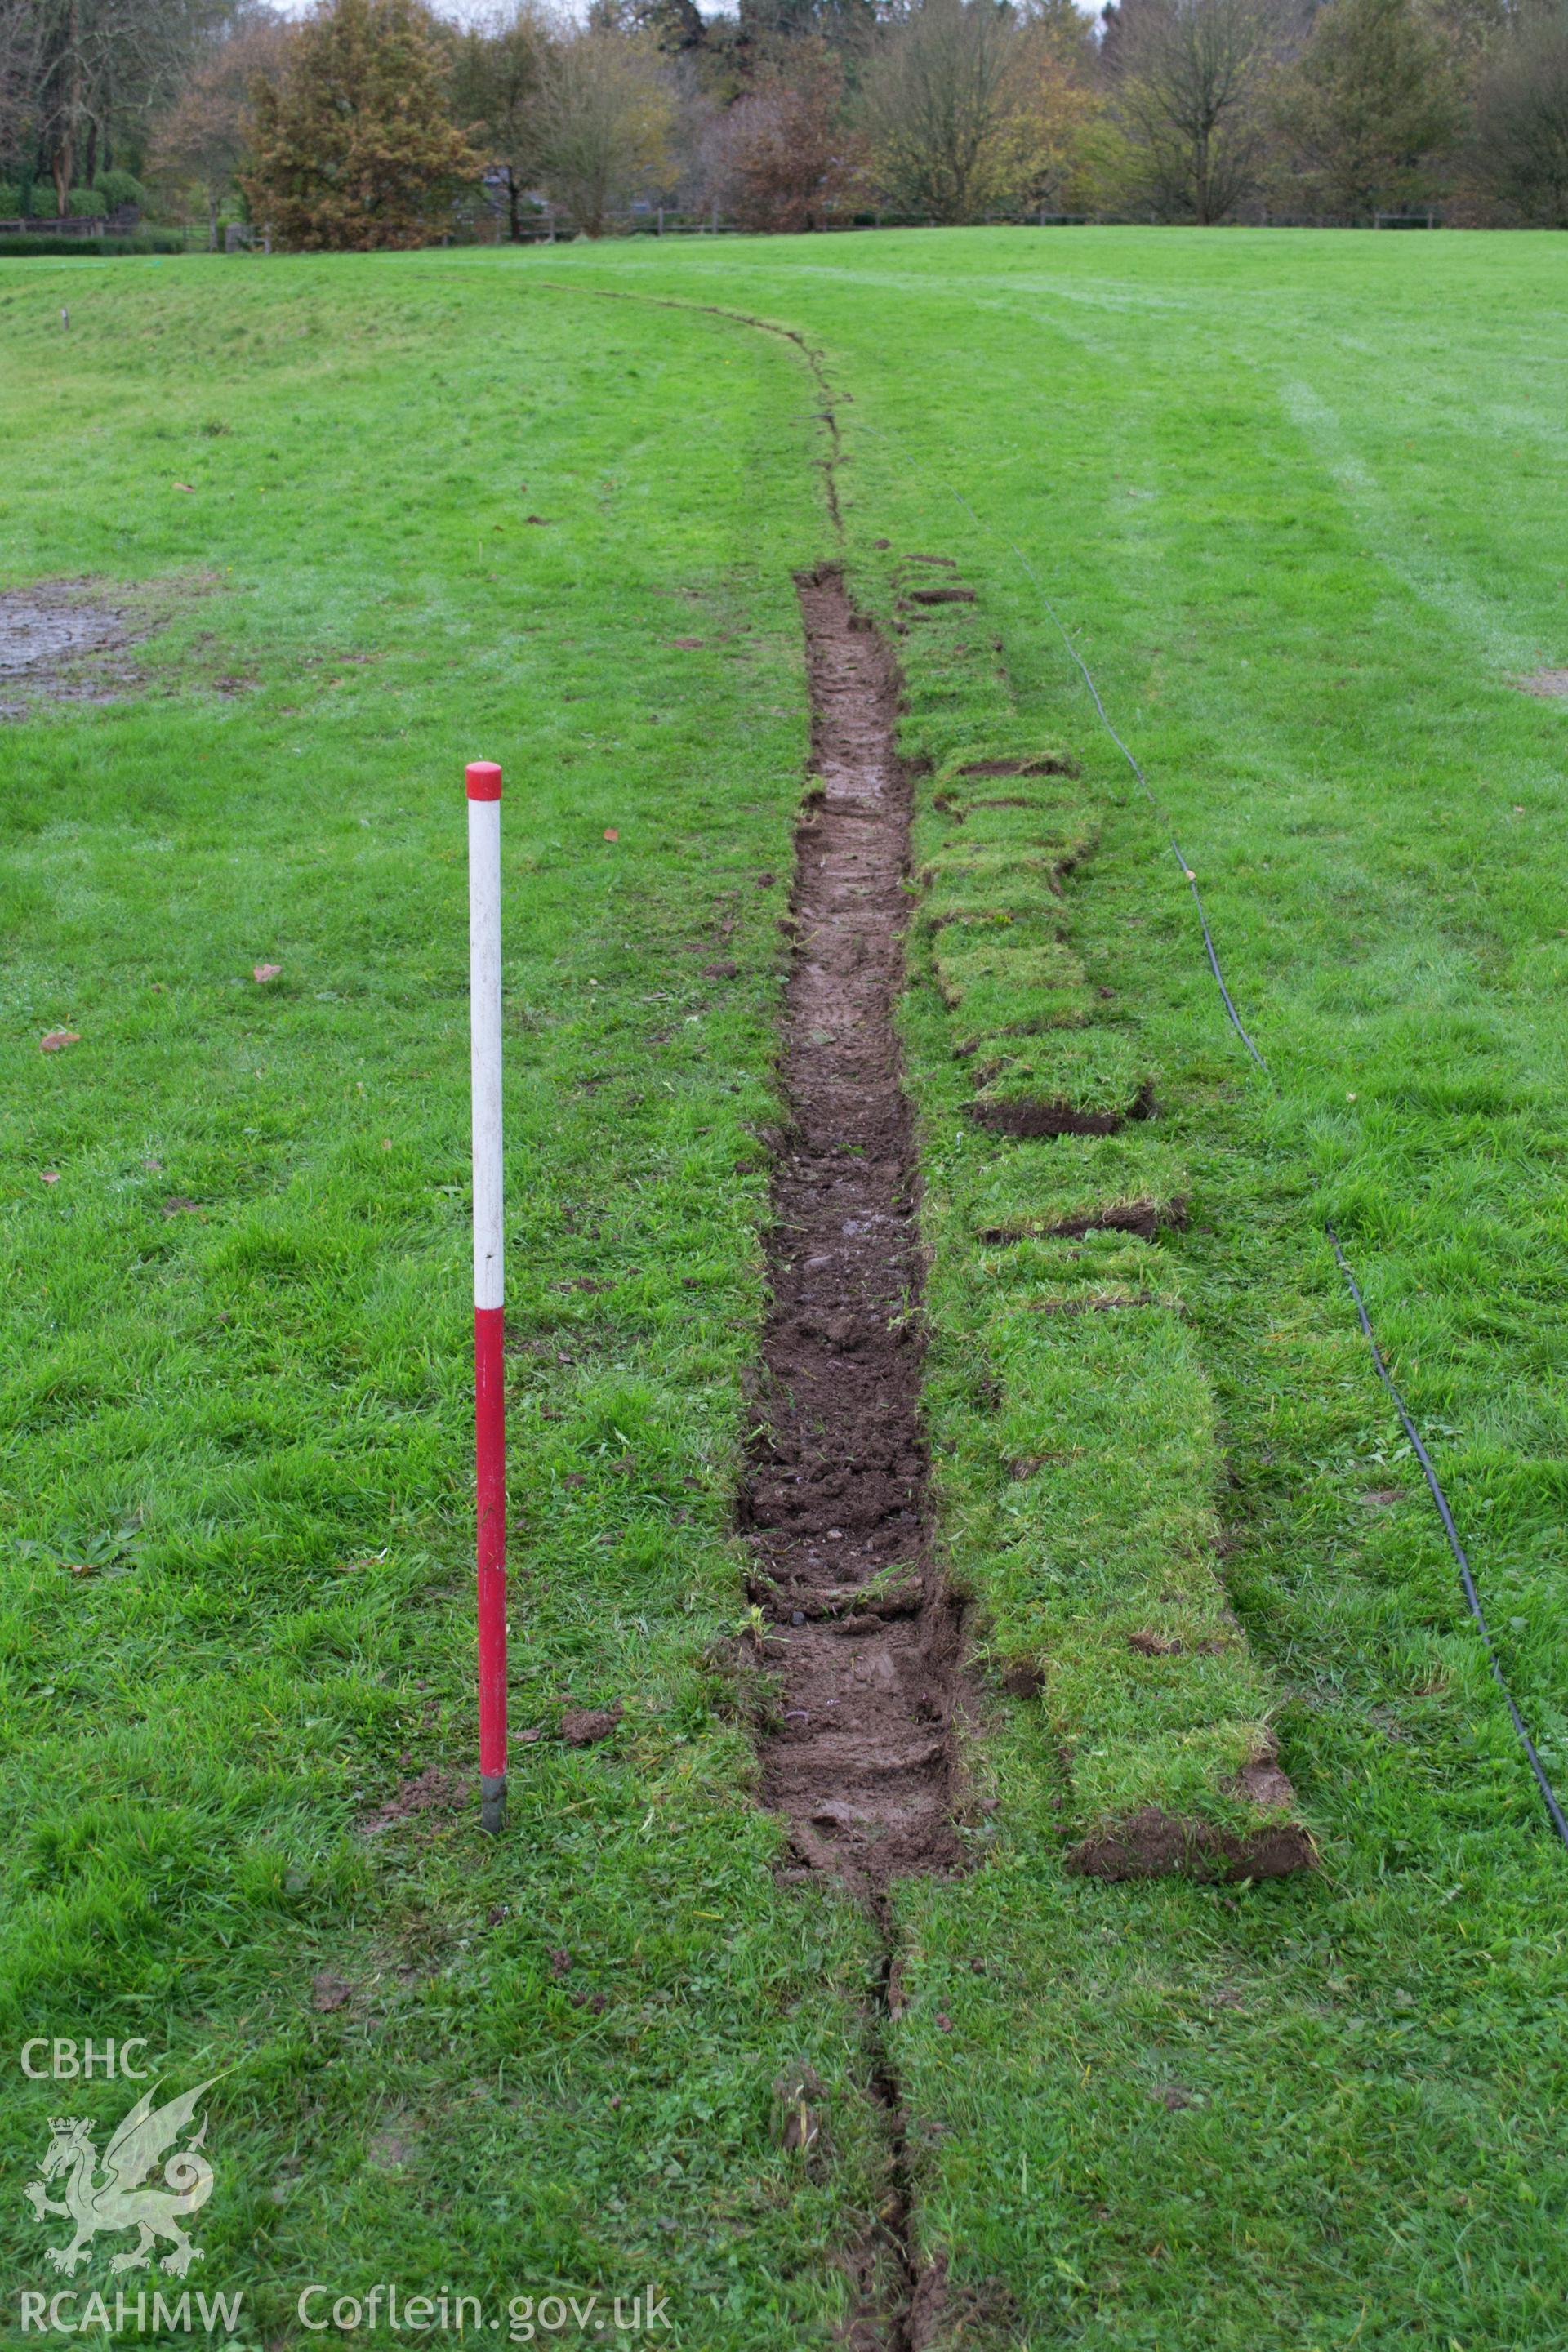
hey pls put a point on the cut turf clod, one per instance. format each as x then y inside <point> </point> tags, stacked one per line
<point>1081,1461</point>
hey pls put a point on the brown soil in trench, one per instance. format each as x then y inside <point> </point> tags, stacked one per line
<point>863,1646</point>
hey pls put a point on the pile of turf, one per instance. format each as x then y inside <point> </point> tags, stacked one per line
<point>1075,1458</point>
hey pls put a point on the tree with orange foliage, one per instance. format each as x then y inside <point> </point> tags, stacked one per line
<point>355,150</point>
<point>782,156</point>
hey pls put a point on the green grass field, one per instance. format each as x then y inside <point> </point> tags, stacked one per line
<point>1299,497</point>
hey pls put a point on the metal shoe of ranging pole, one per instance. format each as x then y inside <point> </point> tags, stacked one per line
<point>489,1370</point>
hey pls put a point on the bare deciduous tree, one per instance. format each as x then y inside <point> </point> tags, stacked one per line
<point>499,72</point>
<point>19,77</point>
<point>81,76</point>
<point>936,107</point>
<point>206,136</point>
<point>1519,159</point>
<point>1374,101</point>
<point>1192,78</point>
<point>607,111</point>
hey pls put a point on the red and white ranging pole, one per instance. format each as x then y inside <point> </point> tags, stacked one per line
<point>489,1369</point>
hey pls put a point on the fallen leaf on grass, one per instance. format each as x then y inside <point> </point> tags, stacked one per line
<point>186,485</point>
<point>263,973</point>
<point>57,1040</point>
<point>543,520</point>
<point>688,645</point>
<point>51,1176</point>
<point>611,833</point>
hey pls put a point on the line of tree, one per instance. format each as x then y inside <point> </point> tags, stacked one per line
<point>379,123</point>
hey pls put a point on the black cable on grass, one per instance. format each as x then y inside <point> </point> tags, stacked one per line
<point>1466,1580</point>
<point>1452,1532</point>
<point>1188,876</point>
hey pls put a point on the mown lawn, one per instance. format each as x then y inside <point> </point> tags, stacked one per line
<point>1297,495</point>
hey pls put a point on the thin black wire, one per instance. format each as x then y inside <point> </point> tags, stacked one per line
<point>1466,1580</point>
<point>1188,875</point>
<point>1452,1532</point>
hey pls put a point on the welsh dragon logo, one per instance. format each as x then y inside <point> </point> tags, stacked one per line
<point>113,2198</point>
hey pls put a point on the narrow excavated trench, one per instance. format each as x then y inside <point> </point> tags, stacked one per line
<point>862,1643</point>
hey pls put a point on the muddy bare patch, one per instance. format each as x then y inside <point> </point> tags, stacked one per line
<point>584,1727</point>
<point>432,1792</point>
<point>61,641</point>
<point>862,1654</point>
<point>1547,683</point>
<point>927,2307</point>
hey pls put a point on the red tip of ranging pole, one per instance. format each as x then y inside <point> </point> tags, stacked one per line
<point>483,778</point>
